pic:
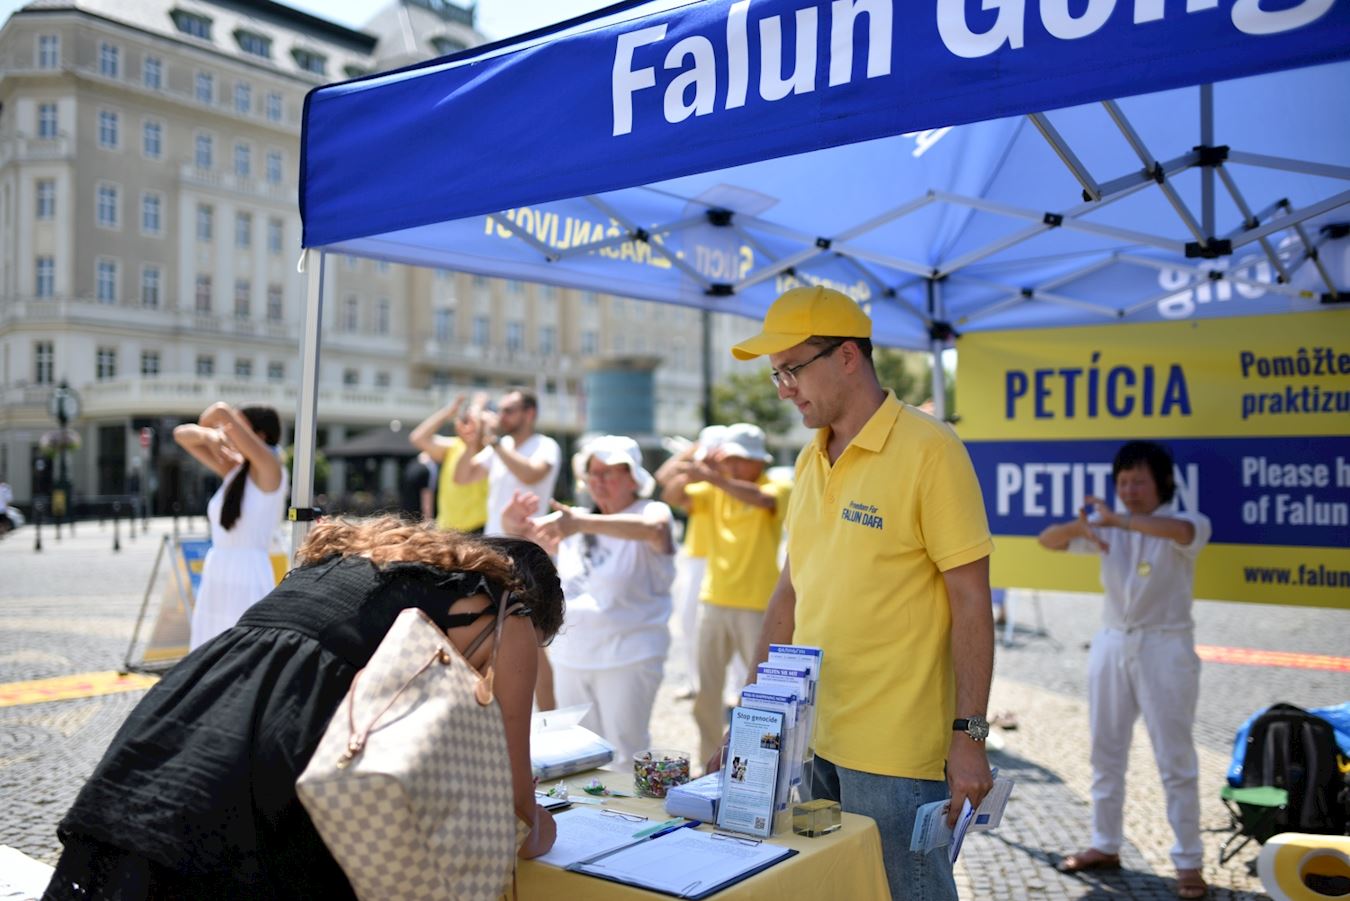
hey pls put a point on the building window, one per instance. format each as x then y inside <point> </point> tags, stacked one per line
<point>105,281</point>
<point>274,236</point>
<point>243,97</point>
<point>44,276</point>
<point>107,206</point>
<point>309,61</point>
<point>382,313</point>
<point>590,299</point>
<point>274,303</point>
<point>548,340</point>
<point>152,140</point>
<point>44,362</point>
<point>243,160</point>
<point>355,71</point>
<point>443,325</point>
<point>106,365</point>
<point>242,293</point>
<point>243,230</point>
<point>445,46</point>
<point>206,216</point>
<point>152,73</point>
<point>49,51</point>
<point>276,372</point>
<point>381,379</point>
<point>273,107</point>
<point>150,362</point>
<point>47,121</point>
<point>515,335</point>
<point>351,314</point>
<point>274,166</point>
<point>109,60</point>
<point>150,287</point>
<point>350,262</point>
<point>192,24</point>
<point>481,331</point>
<point>46,198</point>
<point>204,152</point>
<point>351,378</point>
<point>107,129</point>
<point>205,88</point>
<point>254,44</point>
<point>590,342</point>
<point>150,218</point>
<point>515,287</point>
<point>243,369</point>
<point>202,295</point>
<point>206,365</point>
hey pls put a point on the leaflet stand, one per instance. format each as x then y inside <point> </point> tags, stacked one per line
<point>168,642</point>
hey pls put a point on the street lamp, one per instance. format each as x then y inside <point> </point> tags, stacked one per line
<point>64,406</point>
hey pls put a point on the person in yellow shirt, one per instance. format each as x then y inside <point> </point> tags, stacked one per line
<point>462,508</point>
<point>745,511</point>
<point>888,572</point>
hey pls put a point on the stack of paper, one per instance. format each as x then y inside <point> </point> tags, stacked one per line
<point>930,822</point>
<point>697,800</point>
<point>561,746</point>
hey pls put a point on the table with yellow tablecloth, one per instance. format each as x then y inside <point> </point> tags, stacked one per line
<point>844,864</point>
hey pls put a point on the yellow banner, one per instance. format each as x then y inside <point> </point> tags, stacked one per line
<point>1256,412</point>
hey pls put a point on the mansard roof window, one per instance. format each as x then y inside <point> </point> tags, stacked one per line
<point>446,45</point>
<point>310,61</point>
<point>253,43</point>
<point>190,23</point>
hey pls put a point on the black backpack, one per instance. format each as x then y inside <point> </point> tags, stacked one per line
<point>1289,748</point>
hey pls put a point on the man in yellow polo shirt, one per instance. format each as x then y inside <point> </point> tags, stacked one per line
<point>888,572</point>
<point>745,510</point>
<point>462,508</point>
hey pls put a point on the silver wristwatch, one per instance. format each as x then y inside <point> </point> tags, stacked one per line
<point>977,727</point>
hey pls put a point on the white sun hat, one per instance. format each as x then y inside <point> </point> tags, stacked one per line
<point>612,449</point>
<point>746,441</point>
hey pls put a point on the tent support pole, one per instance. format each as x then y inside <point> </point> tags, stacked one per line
<point>306,421</point>
<point>1310,249</point>
<point>1091,190</point>
<point>935,348</point>
<point>706,321</point>
<point>1207,172</point>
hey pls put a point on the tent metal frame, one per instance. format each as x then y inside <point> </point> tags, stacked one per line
<point>1213,161</point>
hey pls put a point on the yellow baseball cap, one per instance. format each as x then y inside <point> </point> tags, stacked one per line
<point>800,313</point>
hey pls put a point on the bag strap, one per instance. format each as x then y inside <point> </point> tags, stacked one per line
<point>482,692</point>
<point>357,741</point>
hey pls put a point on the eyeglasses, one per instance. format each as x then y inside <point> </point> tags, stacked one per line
<point>787,376</point>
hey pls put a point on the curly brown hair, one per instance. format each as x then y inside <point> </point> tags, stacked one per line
<point>390,539</point>
<point>518,565</point>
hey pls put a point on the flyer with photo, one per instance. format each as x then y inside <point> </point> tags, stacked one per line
<point>750,773</point>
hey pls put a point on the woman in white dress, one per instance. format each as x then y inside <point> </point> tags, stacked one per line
<point>616,564</point>
<point>240,446</point>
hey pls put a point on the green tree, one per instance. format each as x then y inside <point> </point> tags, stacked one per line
<point>895,370</point>
<point>751,397</point>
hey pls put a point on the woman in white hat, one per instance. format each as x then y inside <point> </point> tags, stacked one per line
<point>616,563</point>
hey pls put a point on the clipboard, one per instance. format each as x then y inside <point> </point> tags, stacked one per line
<point>632,864</point>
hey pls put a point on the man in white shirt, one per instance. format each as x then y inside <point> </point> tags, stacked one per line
<point>504,448</point>
<point>1143,659</point>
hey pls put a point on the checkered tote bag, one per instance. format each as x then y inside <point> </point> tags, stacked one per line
<point>410,786</point>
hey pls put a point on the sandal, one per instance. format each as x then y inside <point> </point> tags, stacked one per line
<point>1091,859</point>
<point>1190,884</point>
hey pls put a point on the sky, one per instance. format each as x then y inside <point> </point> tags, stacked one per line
<point>496,18</point>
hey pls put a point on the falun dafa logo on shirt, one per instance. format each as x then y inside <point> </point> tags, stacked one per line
<point>861,514</point>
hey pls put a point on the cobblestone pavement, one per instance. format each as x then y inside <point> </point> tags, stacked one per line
<point>72,608</point>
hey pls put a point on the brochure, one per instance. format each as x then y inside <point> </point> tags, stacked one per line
<point>783,698</point>
<point>930,822</point>
<point>697,800</point>
<point>750,774</point>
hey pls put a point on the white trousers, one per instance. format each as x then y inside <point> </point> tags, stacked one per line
<point>1157,674</point>
<point>688,583</point>
<point>621,700</point>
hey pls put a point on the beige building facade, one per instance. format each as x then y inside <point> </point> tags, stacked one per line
<point>149,238</point>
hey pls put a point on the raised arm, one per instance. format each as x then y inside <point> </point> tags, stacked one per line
<point>467,468</point>
<point>425,437</point>
<point>530,470</point>
<point>207,447</point>
<point>264,467</point>
<point>652,527</point>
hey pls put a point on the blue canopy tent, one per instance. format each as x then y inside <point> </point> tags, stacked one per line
<point>711,154</point>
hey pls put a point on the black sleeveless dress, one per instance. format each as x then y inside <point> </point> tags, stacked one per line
<point>195,797</point>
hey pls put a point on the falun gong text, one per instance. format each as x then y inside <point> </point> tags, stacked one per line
<point>1255,410</point>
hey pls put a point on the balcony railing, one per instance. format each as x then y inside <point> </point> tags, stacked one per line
<point>27,149</point>
<point>229,183</point>
<point>88,311</point>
